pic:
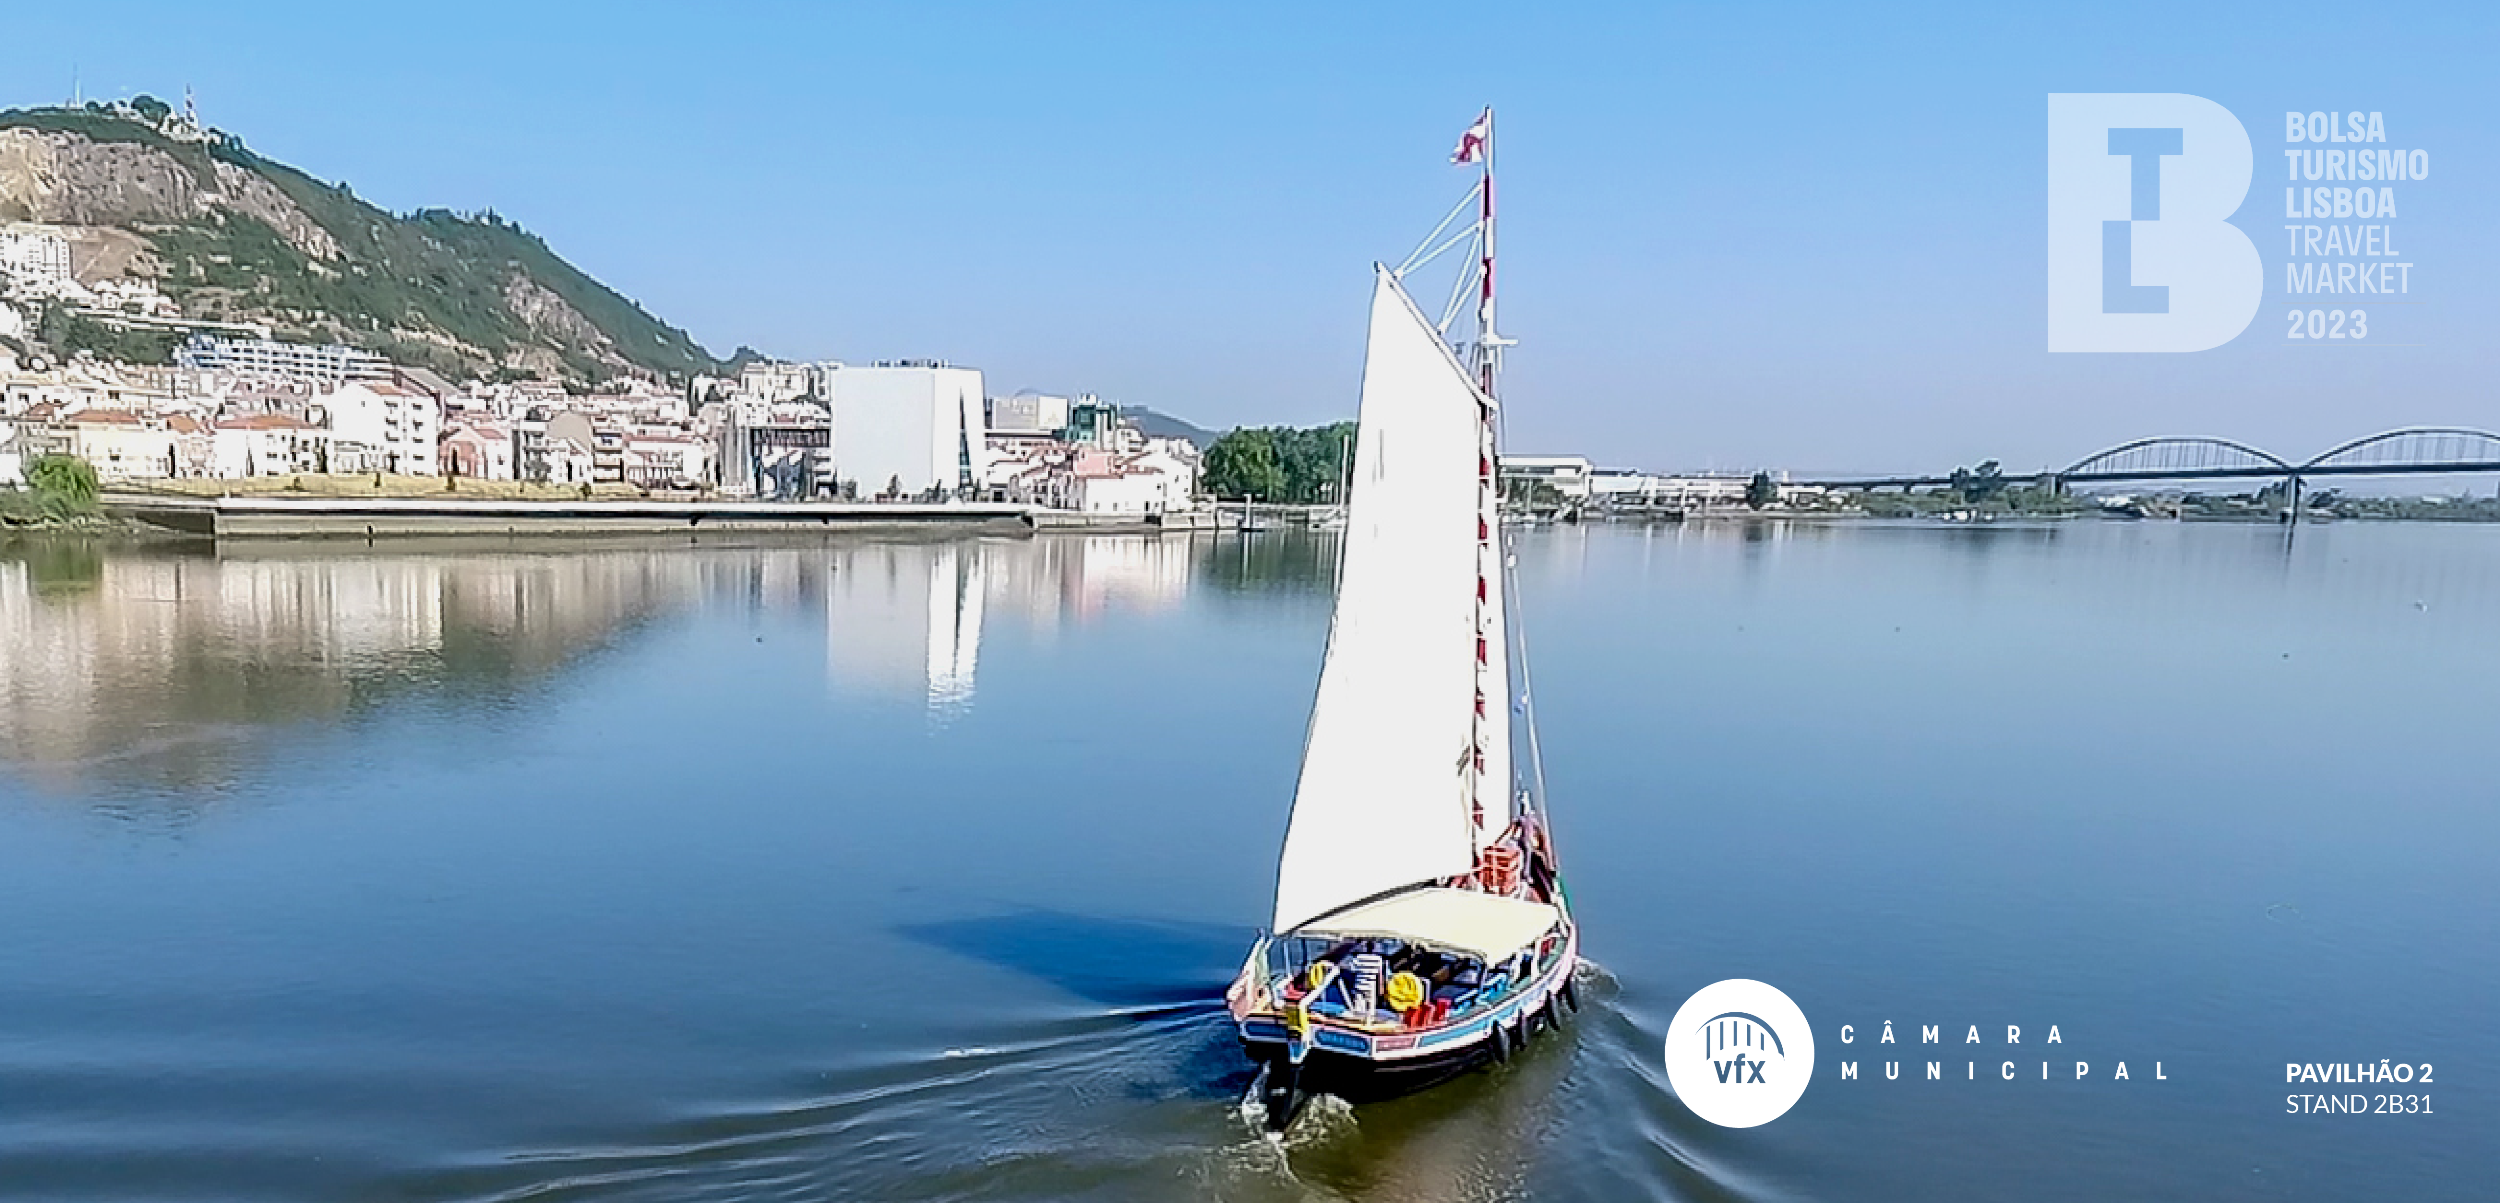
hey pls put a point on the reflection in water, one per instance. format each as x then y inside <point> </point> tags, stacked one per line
<point>1285,561</point>
<point>905,619</point>
<point>165,668</point>
<point>570,872</point>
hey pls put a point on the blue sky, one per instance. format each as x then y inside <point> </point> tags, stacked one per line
<point>1802,236</point>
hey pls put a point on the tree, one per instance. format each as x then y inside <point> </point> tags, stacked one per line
<point>68,333</point>
<point>1244,464</point>
<point>65,484</point>
<point>1761,490</point>
<point>1977,485</point>
<point>1313,462</point>
<point>1288,465</point>
<point>1534,496</point>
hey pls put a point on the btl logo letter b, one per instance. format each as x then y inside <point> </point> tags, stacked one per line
<point>2141,254</point>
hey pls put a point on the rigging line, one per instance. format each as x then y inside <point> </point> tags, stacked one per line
<point>1412,262</point>
<point>1459,289</point>
<point>1437,252</point>
<point>1527,687</point>
<point>1515,618</point>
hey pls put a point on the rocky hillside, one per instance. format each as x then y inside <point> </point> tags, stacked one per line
<point>231,236</point>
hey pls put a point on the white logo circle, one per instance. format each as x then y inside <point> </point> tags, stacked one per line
<point>1739,1053</point>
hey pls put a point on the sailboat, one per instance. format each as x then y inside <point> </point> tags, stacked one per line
<point>1420,927</point>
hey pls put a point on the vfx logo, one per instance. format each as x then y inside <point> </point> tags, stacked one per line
<point>1739,1053</point>
<point>2142,256</point>
<point>1738,1032</point>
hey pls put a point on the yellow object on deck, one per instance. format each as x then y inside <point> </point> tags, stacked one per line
<point>1406,991</point>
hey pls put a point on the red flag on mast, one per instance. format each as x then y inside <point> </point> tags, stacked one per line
<point>1478,139</point>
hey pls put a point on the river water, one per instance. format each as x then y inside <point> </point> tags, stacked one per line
<point>915,870</point>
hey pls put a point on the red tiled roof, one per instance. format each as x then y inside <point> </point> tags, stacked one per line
<point>103,417</point>
<point>265,422</point>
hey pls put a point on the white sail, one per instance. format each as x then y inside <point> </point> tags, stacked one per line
<point>1389,766</point>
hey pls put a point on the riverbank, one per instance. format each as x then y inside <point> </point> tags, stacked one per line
<point>305,516</point>
<point>380,505</point>
<point>27,512</point>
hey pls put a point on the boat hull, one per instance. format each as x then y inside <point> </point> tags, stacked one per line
<point>1372,1067</point>
<point>1363,1080</point>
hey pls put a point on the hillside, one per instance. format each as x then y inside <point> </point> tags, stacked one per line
<point>231,236</point>
<point>1164,426</point>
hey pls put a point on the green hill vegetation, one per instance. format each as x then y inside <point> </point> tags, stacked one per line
<point>462,294</point>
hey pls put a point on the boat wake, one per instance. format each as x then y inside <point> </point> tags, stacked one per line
<point>1149,1101</point>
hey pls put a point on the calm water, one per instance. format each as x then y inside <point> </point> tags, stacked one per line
<point>913,871</point>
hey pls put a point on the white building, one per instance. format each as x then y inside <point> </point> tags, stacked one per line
<point>1155,476</point>
<point>479,451</point>
<point>1029,413</point>
<point>381,427</point>
<point>1710,488</point>
<point>565,462</point>
<point>267,444</point>
<point>771,382</point>
<point>34,260</point>
<point>658,459</point>
<point>124,445</point>
<point>1118,489</point>
<point>286,361</point>
<point>915,425</point>
<point>1568,474</point>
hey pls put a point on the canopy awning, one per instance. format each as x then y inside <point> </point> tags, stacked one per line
<point>1486,926</point>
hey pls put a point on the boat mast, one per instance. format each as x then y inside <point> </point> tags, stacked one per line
<point>1488,515</point>
<point>1488,345</point>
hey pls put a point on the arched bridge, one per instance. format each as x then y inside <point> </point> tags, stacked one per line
<point>2175,459</point>
<point>2409,451</point>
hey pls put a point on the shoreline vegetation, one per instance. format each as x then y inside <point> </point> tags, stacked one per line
<point>1295,470</point>
<point>1984,494</point>
<point>59,497</point>
<point>63,496</point>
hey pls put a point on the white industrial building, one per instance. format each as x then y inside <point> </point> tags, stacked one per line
<point>1627,487</point>
<point>911,426</point>
<point>1568,474</point>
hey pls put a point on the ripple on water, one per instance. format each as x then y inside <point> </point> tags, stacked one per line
<point>1144,1103</point>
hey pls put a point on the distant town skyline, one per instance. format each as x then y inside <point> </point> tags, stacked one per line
<point>1801,237</point>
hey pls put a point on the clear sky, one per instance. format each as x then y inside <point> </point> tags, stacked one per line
<point>1799,236</point>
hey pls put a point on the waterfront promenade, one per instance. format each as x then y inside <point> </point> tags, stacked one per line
<point>374,517</point>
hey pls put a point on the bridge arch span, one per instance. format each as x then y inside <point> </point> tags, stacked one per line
<point>2412,448</point>
<point>2177,454</point>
